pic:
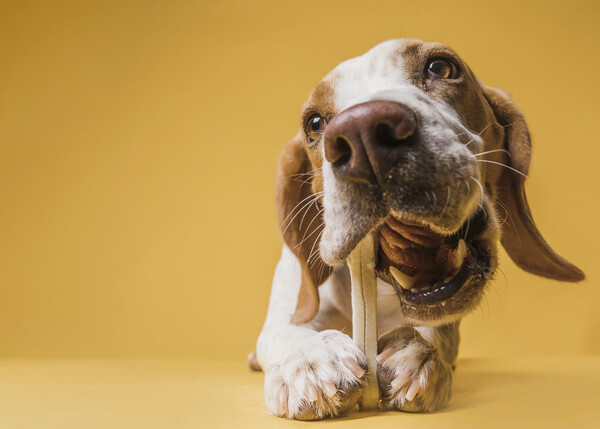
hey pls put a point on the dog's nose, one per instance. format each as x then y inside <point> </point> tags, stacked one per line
<point>367,140</point>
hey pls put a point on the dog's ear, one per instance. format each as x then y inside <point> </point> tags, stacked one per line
<point>520,236</point>
<point>301,223</point>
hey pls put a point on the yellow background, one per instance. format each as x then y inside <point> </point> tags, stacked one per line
<point>138,148</point>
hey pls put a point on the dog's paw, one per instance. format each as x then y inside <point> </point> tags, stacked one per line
<point>322,378</point>
<point>412,376</point>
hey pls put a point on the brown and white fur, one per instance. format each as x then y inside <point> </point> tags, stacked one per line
<point>457,173</point>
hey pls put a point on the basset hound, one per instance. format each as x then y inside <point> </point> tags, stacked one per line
<point>406,143</point>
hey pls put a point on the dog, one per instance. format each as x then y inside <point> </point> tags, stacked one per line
<point>403,142</point>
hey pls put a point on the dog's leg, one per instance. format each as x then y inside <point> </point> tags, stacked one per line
<point>416,366</point>
<point>308,374</point>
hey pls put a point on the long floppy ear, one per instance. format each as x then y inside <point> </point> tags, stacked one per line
<point>301,223</point>
<point>520,236</point>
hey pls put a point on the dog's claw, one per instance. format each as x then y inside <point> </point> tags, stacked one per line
<point>384,355</point>
<point>311,392</point>
<point>400,380</point>
<point>329,388</point>
<point>412,391</point>
<point>354,367</point>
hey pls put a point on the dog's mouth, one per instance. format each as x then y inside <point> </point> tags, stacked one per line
<point>427,268</point>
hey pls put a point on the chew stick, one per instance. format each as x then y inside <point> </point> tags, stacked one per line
<point>364,314</point>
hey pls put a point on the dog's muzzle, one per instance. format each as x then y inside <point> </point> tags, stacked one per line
<point>365,145</point>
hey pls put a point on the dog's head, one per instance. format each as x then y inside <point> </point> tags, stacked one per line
<point>404,142</point>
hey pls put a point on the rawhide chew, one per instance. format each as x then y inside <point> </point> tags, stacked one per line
<point>364,314</point>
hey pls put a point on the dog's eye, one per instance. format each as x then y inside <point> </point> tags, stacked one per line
<point>315,125</point>
<point>441,69</point>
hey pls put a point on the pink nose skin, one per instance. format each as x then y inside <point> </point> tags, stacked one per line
<point>365,141</point>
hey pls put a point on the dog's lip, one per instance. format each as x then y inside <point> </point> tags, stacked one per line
<point>475,264</point>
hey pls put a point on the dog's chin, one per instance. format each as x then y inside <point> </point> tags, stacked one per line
<point>339,240</point>
<point>438,275</point>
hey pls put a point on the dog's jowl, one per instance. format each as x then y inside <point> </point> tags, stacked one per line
<point>403,142</point>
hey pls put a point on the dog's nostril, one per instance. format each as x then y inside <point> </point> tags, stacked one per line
<point>384,135</point>
<point>391,135</point>
<point>338,151</point>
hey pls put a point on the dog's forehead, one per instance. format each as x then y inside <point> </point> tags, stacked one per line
<point>388,65</point>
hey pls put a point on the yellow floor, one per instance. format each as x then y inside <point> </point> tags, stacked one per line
<point>546,393</point>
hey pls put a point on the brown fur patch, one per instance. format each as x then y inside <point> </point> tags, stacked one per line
<point>298,180</point>
<point>321,98</point>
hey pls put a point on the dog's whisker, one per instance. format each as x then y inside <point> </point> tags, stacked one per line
<point>447,200</point>
<point>479,133</point>
<point>487,307</point>
<point>512,220</point>
<point>491,286</point>
<point>485,128</point>
<point>507,125</point>
<point>462,133</point>
<point>467,229</point>
<point>503,165</point>
<point>298,205</point>
<point>314,201</point>
<point>469,142</point>
<point>311,197</point>
<point>305,207</point>
<point>308,228</point>
<point>476,134</point>
<point>322,266</point>
<point>504,220</point>
<point>310,175</point>
<point>313,252</point>
<point>492,151</point>
<point>480,187</point>
<point>468,186</point>
<point>304,182</point>
<point>300,175</point>
<point>306,173</point>
<point>505,282</point>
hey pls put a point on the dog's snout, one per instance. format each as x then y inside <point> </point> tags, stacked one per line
<point>368,139</point>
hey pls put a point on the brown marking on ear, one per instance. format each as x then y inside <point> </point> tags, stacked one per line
<point>521,238</point>
<point>301,222</point>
